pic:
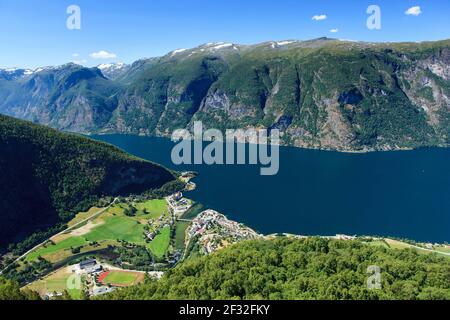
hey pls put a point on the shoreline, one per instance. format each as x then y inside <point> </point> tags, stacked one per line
<point>326,149</point>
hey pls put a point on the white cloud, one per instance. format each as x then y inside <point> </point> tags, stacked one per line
<point>75,55</point>
<point>80,62</point>
<point>413,11</point>
<point>334,30</point>
<point>319,17</point>
<point>102,54</point>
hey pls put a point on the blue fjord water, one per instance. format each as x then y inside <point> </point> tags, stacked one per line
<point>405,194</point>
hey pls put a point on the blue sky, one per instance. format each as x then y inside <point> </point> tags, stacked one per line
<point>33,33</point>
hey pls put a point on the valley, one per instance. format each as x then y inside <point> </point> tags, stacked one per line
<point>115,247</point>
<point>211,158</point>
<point>129,236</point>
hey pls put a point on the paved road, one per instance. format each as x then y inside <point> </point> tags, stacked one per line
<point>75,226</point>
<point>430,250</point>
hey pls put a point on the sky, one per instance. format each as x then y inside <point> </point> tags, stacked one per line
<point>34,33</point>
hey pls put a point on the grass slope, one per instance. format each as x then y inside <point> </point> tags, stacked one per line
<point>160,244</point>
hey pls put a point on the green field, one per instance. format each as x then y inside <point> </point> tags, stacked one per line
<point>118,228</point>
<point>443,249</point>
<point>60,285</point>
<point>111,226</point>
<point>84,215</point>
<point>63,245</point>
<point>381,243</point>
<point>154,208</point>
<point>56,282</point>
<point>121,278</point>
<point>160,244</point>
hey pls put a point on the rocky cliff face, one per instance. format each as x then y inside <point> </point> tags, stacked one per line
<point>322,93</point>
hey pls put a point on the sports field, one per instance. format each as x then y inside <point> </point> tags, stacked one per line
<point>120,278</point>
<point>57,281</point>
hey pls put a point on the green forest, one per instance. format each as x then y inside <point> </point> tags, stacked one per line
<point>294,269</point>
<point>305,269</point>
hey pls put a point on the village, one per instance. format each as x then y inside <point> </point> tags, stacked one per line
<point>214,231</point>
<point>207,231</point>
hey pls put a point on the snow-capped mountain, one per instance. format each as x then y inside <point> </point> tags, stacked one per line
<point>14,73</point>
<point>113,70</point>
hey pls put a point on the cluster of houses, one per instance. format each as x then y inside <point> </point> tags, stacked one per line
<point>157,225</point>
<point>215,231</point>
<point>153,233</point>
<point>431,246</point>
<point>344,237</point>
<point>177,204</point>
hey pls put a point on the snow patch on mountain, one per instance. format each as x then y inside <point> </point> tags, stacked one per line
<point>111,70</point>
<point>174,52</point>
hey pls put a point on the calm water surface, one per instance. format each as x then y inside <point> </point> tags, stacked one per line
<point>403,194</point>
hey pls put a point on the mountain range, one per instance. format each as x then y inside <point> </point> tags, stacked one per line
<point>322,93</point>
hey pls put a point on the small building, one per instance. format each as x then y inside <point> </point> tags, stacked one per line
<point>102,290</point>
<point>51,295</point>
<point>344,237</point>
<point>178,196</point>
<point>87,264</point>
<point>94,269</point>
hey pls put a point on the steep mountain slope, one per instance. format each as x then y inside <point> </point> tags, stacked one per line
<point>68,97</point>
<point>322,93</point>
<point>47,176</point>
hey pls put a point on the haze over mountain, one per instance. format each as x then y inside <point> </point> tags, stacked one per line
<point>322,93</point>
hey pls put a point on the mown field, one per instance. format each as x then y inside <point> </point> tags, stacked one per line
<point>57,281</point>
<point>121,278</point>
<point>160,244</point>
<point>154,208</point>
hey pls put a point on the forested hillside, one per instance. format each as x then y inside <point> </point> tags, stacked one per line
<point>47,176</point>
<point>313,268</point>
